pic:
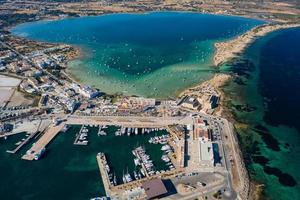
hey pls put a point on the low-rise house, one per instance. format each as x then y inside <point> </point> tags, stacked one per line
<point>44,100</point>
<point>46,87</point>
<point>38,73</point>
<point>45,79</point>
<point>70,92</point>
<point>5,127</point>
<point>72,105</point>
<point>2,68</point>
<point>33,82</point>
<point>28,88</point>
<point>28,73</point>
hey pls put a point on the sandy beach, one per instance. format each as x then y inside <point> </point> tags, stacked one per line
<point>230,49</point>
<point>215,82</point>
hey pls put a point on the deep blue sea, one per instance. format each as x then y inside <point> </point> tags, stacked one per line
<point>265,95</point>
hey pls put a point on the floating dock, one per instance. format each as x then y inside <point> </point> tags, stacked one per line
<point>142,164</point>
<point>37,147</point>
<point>78,140</point>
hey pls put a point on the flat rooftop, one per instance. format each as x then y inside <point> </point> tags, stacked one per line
<point>206,151</point>
<point>154,188</point>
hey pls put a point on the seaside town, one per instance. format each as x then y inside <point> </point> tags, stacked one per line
<point>40,101</point>
<point>199,148</point>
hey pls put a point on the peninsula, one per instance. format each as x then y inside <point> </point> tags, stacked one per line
<point>225,51</point>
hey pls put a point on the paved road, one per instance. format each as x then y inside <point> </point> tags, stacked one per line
<point>129,120</point>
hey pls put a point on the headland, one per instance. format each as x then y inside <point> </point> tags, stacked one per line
<point>225,51</point>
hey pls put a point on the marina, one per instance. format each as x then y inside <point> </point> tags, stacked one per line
<point>163,139</point>
<point>21,143</point>
<point>129,155</point>
<point>81,136</point>
<point>62,151</point>
<point>101,131</point>
<point>39,147</point>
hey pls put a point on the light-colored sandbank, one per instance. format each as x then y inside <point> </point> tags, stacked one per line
<point>215,82</point>
<point>230,49</point>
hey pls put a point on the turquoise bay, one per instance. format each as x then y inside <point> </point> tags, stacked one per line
<point>152,54</point>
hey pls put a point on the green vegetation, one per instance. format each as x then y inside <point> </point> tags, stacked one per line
<point>9,19</point>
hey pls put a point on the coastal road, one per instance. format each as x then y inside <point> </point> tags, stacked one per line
<point>129,120</point>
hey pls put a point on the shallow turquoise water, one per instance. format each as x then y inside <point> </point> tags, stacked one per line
<point>153,54</point>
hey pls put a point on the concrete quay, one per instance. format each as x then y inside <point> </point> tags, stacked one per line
<point>50,133</point>
<point>129,121</point>
<point>113,191</point>
<point>104,176</point>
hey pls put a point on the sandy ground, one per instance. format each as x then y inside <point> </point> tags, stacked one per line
<point>30,126</point>
<point>7,88</point>
<point>5,94</point>
<point>9,93</point>
<point>6,81</point>
<point>18,98</point>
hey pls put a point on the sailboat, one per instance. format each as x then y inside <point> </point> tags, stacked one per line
<point>115,179</point>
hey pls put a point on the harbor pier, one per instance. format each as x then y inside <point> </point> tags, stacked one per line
<point>113,190</point>
<point>37,147</point>
<point>22,143</point>
<point>104,175</point>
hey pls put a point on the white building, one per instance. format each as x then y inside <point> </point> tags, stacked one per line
<point>88,92</point>
<point>71,105</point>
<point>206,154</point>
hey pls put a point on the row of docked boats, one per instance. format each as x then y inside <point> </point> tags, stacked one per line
<point>112,178</point>
<point>135,131</point>
<point>100,198</point>
<point>163,139</point>
<point>167,149</point>
<point>101,130</point>
<point>142,159</point>
<point>127,178</point>
<point>22,140</point>
<point>81,137</point>
<point>168,162</point>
